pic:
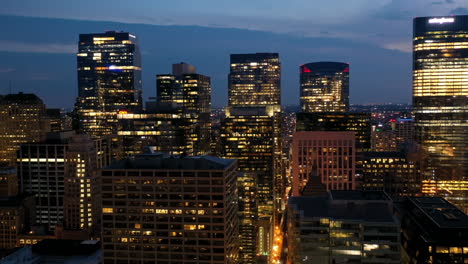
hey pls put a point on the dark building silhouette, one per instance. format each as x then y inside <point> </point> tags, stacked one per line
<point>170,209</point>
<point>433,231</point>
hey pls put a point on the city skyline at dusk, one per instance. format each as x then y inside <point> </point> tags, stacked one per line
<point>40,59</point>
<point>245,132</point>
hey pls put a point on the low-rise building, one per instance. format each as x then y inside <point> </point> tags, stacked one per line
<point>342,227</point>
<point>433,231</point>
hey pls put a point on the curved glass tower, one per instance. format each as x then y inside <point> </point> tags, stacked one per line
<point>324,87</point>
<point>440,99</point>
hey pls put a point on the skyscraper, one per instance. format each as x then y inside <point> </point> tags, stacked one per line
<point>22,119</point>
<point>251,134</point>
<point>255,80</point>
<point>187,95</point>
<point>109,80</point>
<point>440,99</point>
<point>324,87</point>
<point>168,209</point>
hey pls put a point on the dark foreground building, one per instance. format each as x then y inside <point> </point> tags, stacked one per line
<point>433,231</point>
<point>342,227</point>
<point>57,251</point>
<point>168,209</point>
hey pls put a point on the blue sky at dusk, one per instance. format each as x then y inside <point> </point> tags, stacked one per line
<point>39,40</point>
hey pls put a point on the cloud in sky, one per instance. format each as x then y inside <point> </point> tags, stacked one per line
<point>12,46</point>
<point>459,11</point>
<point>6,69</point>
<point>357,19</point>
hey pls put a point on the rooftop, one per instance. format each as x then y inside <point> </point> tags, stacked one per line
<point>441,212</point>
<point>316,207</point>
<point>62,247</point>
<point>20,98</point>
<point>161,161</point>
<point>359,195</point>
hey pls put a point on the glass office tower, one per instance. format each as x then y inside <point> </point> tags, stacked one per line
<point>109,80</point>
<point>255,80</point>
<point>250,133</point>
<point>440,99</point>
<point>187,95</point>
<point>324,87</point>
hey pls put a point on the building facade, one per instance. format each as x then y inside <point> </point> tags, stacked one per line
<point>22,119</point>
<point>396,173</point>
<point>359,123</point>
<point>16,214</point>
<point>109,80</point>
<point>60,171</point>
<point>254,80</point>
<point>251,134</point>
<point>169,209</point>
<point>329,155</point>
<point>188,95</point>
<point>324,87</point>
<point>440,99</point>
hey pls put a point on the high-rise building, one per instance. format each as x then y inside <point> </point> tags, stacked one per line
<point>440,99</point>
<point>248,135</point>
<point>433,231</point>
<point>343,227</point>
<point>251,133</point>
<point>168,209</point>
<point>329,155</point>
<point>254,80</point>
<point>324,87</point>
<point>60,171</point>
<point>187,96</point>
<point>22,119</point>
<point>109,80</point>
